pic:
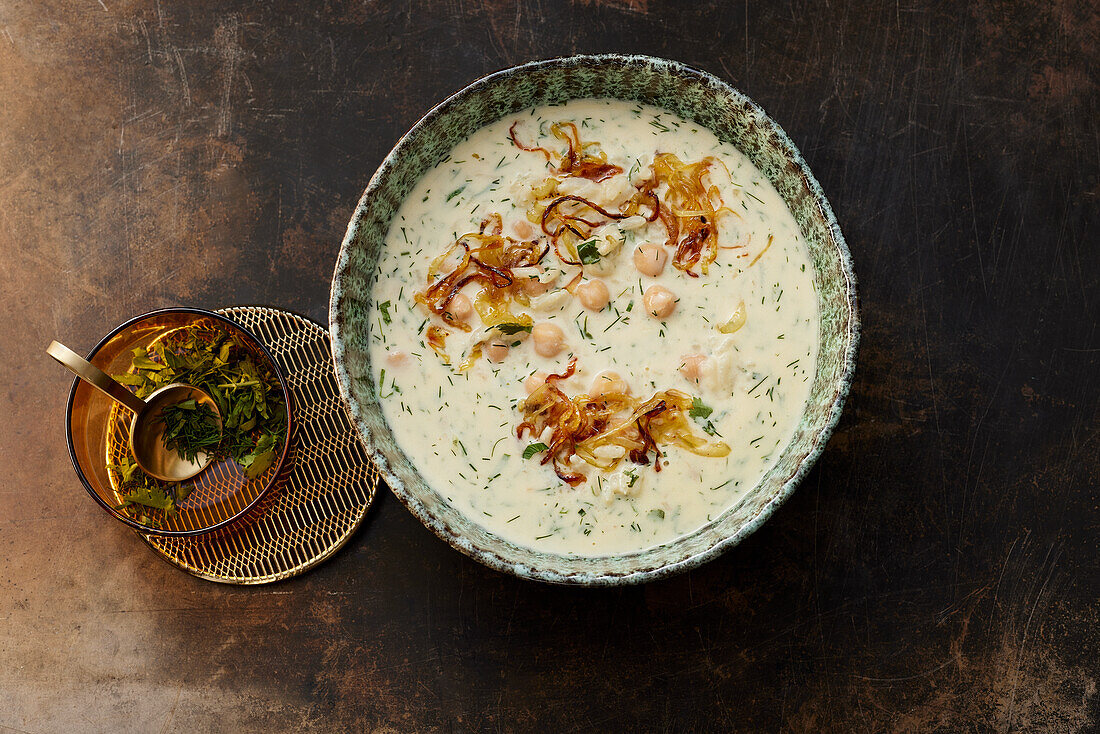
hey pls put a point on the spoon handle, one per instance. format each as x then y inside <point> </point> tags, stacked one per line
<point>96,377</point>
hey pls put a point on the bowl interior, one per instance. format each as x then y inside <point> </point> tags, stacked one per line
<point>97,427</point>
<point>691,94</point>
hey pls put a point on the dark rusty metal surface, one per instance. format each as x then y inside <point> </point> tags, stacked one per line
<point>938,569</point>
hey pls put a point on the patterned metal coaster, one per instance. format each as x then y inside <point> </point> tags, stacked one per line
<point>330,484</point>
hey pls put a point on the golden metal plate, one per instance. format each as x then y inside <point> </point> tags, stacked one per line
<point>331,481</point>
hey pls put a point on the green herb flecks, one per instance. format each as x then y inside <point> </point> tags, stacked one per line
<point>700,411</point>
<point>583,328</point>
<point>588,252</point>
<point>137,488</point>
<point>508,328</point>
<point>535,448</point>
<point>190,428</point>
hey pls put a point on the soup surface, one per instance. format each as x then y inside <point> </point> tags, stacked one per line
<point>594,327</point>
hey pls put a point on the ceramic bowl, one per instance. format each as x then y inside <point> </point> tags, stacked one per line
<point>222,497</point>
<point>691,94</point>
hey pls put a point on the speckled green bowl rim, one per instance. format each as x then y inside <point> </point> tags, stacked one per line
<point>624,573</point>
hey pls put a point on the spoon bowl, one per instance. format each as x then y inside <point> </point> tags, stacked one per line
<point>147,426</point>
<point>147,435</point>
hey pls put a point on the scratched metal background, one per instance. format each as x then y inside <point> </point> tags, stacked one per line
<point>938,570</point>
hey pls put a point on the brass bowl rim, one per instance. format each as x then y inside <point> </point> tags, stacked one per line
<point>259,496</point>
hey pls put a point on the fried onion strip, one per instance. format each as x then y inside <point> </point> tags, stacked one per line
<point>693,209</point>
<point>580,426</point>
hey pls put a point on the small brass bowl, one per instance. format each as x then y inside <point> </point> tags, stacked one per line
<point>96,429</point>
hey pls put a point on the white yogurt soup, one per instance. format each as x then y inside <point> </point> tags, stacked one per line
<point>594,327</point>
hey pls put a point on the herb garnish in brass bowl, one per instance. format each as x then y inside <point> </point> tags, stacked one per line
<point>248,397</point>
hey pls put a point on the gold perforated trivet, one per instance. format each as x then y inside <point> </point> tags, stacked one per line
<point>331,484</point>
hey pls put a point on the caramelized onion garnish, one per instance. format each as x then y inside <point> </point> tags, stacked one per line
<point>566,218</point>
<point>493,223</point>
<point>655,205</point>
<point>689,213</point>
<point>581,425</point>
<point>570,220</point>
<point>570,370</point>
<point>571,286</point>
<point>576,161</point>
<point>692,208</point>
<point>521,146</point>
<point>489,264</point>
<point>437,340</point>
<point>761,254</point>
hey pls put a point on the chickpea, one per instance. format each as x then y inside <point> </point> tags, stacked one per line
<point>548,339</point>
<point>607,383</point>
<point>534,381</point>
<point>523,229</point>
<point>496,352</point>
<point>532,283</point>
<point>535,287</point>
<point>593,295</point>
<point>691,366</point>
<point>460,308</point>
<point>650,259</point>
<point>659,302</point>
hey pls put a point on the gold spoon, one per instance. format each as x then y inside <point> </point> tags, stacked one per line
<point>147,426</point>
